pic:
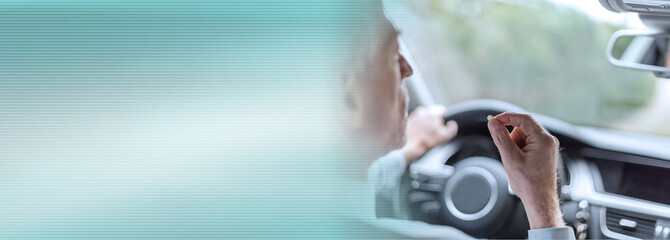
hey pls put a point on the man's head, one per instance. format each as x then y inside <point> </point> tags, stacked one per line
<point>376,96</point>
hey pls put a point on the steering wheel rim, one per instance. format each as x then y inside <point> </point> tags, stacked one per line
<point>472,115</point>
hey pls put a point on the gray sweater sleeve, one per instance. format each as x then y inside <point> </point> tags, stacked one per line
<point>385,172</point>
<point>551,233</point>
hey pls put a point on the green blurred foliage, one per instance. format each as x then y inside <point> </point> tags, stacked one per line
<point>546,58</point>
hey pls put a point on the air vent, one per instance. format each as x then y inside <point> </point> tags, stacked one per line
<point>630,224</point>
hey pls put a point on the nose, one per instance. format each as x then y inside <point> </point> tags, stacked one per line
<point>405,69</point>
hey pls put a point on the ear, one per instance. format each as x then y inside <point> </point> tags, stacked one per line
<point>352,100</point>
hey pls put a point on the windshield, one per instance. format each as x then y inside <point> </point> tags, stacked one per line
<point>545,56</point>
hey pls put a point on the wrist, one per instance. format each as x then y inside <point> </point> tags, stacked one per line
<point>411,151</point>
<point>543,212</point>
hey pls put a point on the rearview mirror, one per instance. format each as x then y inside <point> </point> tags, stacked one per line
<point>642,51</point>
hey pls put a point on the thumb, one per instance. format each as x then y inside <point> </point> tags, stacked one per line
<point>502,139</point>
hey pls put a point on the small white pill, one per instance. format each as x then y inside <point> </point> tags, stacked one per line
<point>489,117</point>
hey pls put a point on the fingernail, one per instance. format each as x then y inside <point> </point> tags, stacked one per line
<point>494,125</point>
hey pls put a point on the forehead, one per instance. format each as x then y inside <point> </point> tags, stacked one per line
<point>384,37</point>
<point>374,36</point>
<point>390,36</point>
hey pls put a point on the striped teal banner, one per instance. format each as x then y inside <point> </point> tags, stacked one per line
<point>172,119</point>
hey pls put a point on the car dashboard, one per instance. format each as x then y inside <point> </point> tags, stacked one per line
<point>627,191</point>
<point>612,184</point>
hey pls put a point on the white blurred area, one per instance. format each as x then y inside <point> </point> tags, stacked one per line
<point>597,12</point>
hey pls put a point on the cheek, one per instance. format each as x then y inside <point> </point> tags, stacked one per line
<point>404,100</point>
<point>405,96</point>
<point>399,113</point>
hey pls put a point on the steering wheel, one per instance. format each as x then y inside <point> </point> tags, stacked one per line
<point>463,183</point>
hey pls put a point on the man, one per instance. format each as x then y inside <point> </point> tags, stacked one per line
<point>378,105</point>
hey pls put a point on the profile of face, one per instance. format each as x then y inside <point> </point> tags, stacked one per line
<point>377,97</point>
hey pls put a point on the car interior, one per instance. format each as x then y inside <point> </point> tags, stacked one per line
<point>613,184</point>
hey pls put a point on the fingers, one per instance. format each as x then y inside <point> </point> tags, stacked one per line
<point>438,110</point>
<point>502,139</point>
<point>520,120</point>
<point>519,137</point>
<point>449,131</point>
<point>418,110</point>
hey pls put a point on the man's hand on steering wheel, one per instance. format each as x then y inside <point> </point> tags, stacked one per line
<point>425,130</point>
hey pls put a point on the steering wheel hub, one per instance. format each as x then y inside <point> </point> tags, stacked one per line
<point>475,196</point>
<point>471,193</point>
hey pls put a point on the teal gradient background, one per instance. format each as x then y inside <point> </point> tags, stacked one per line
<point>172,119</point>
